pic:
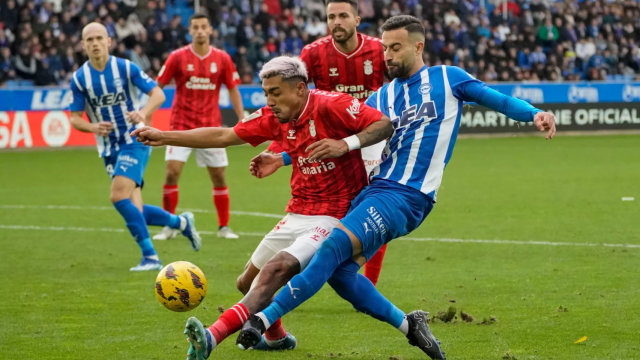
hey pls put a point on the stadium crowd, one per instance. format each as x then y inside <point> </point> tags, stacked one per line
<point>532,41</point>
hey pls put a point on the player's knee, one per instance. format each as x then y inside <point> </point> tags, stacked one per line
<point>281,268</point>
<point>244,283</point>
<point>218,179</point>
<point>117,195</point>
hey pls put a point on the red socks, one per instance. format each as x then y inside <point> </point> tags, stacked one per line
<point>275,332</point>
<point>221,200</point>
<point>170,198</point>
<point>373,267</point>
<point>229,322</point>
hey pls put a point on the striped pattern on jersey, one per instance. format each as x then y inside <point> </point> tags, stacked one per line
<point>358,74</point>
<point>107,95</point>
<point>426,116</point>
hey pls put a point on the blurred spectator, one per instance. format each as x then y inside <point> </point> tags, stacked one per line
<point>139,58</point>
<point>25,63</point>
<point>316,28</point>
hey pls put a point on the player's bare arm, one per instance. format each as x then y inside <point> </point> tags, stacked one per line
<point>156,99</point>
<point>265,164</point>
<point>236,102</point>
<point>372,134</point>
<point>103,128</point>
<point>212,137</point>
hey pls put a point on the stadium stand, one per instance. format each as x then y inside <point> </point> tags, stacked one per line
<point>532,41</point>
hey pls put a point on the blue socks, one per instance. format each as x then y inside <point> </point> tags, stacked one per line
<point>360,292</point>
<point>157,216</point>
<point>333,252</point>
<point>137,226</point>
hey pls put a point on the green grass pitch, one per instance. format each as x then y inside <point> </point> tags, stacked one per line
<point>67,292</point>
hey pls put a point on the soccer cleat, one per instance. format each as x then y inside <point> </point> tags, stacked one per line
<point>420,335</point>
<point>167,233</point>
<point>226,233</point>
<point>190,231</point>
<point>201,340</point>
<point>148,265</point>
<point>251,333</point>
<point>289,342</point>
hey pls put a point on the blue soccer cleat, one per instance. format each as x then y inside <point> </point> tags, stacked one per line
<point>202,342</point>
<point>147,264</point>
<point>287,343</point>
<point>190,231</point>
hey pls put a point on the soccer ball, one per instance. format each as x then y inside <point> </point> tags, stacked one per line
<point>181,286</point>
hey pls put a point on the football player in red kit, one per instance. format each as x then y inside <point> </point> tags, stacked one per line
<point>199,71</point>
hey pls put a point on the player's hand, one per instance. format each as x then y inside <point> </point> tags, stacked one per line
<point>265,164</point>
<point>149,136</point>
<point>104,128</point>
<point>327,149</point>
<point>136,117</point>
<point>546,122</point>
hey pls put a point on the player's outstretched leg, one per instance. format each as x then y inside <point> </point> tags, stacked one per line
<point>156,216</point>
<point>335,250</point>
<point>364,297</point>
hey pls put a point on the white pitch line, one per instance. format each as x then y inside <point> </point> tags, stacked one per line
<point>109,208</point>
<point>516,242</point>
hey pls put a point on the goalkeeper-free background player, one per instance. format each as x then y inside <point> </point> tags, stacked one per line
<point>425,107</point>
<point>106,88</point>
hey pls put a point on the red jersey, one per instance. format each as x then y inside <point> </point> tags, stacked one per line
<point>325,187</point>
<point>198,81</point>
<point>358,74</point>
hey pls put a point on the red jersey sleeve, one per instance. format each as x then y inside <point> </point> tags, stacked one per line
<point>275,147</point>
<point>354,115</point>
<point>231,76</point>
<point>168,69</point>
<point>304,56</point>
<point>257,127</point>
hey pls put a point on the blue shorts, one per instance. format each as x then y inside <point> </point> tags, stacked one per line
<point>383,211</point>
<point>130,161</point>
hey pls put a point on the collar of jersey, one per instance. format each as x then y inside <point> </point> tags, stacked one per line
<point>414,78</point>
<point>105,68</point>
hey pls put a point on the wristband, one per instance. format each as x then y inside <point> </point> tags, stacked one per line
<point>352,142</point>
<point>286,158</point>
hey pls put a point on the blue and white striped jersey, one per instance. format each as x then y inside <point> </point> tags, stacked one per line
<point>425,110</point>
<point>107,95</point>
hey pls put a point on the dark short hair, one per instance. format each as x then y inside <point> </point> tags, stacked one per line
<point>199,15</point>
<point>353,3</point>
<point>407,22</point>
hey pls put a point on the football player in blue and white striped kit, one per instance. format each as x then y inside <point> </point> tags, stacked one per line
<point>425,105</point>
<point>106,88</point>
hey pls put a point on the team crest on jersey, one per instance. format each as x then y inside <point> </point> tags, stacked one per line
<point>214,68</point>
<point>190,67</point>
<point>368,67</point>
<point>425,89</point>
<point>312,128</point>
<point>334,72</point>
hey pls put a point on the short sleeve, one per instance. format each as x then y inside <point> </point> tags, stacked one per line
<point>168,69</point>
<point>458,79</point>
<point>257,127</point>
<point>77,101</point>
<point>275,147</point>
<point>304,56</point>
<point>231,76</point>
<point>139,78</point>
<point>352,114</point>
